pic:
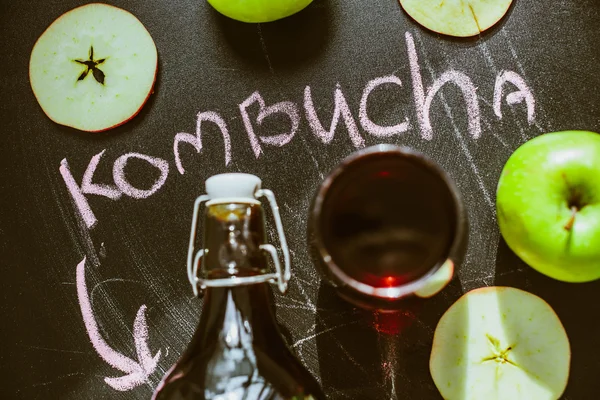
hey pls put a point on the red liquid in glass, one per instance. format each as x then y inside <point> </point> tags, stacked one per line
<point>388,220</point>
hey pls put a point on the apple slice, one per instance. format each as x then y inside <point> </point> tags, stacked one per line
<point>461,18</point>
<point>437,281</point>
<point>500,343</point>
<point>93,68</point>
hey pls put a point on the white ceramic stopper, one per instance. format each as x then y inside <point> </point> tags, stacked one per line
<point>233,185</point>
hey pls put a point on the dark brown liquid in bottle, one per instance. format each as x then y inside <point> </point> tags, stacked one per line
<point>237,351</point>
<point>388,221</point>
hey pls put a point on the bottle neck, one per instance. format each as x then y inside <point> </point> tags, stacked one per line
<point>237,316</point>
<point>233,235</point>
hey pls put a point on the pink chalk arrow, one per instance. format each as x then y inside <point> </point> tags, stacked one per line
<point>137,372</point>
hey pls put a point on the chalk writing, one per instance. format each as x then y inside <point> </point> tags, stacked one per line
<point>88,187</point>
<point>422,98</point>
<point>285,107</point>
<point>196,140</point>
<point>137,372</point>
<point>423,103</point>
<point>126,187</point>
<point>340,109</point>
<point>523,94</point>
<point>365,121</point>
<point>112,192</point>
<point>77,194</point>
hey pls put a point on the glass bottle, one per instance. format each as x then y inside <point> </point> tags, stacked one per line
<point>237,351</point>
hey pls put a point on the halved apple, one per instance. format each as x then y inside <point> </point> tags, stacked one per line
<point>500,343</point>
<point>461,18</point>
<point>93,68</point>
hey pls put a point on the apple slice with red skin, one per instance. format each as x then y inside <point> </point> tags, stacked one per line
<point>461,18</point>
<point>500,343</point>
<point>93,68</point>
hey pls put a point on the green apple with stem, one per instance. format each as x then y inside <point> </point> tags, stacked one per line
<point>461,18</point>
<point>93,68</point>
<point>256,11</point>
<point>500,343</point>
<point>548,204</point>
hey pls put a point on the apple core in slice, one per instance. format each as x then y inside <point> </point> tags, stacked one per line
<point>93,68</point>
<point>500,343</point>
<point>460,18</point>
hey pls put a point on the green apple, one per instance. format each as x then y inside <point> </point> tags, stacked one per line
<point>500,343</point>
<point>456,17</point>
<point>258,10</point>
<point>548,204</point>
<point>93,68</point>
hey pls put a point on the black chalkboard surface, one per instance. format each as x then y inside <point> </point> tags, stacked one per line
<point>139,301</point>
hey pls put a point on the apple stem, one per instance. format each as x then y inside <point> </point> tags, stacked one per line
<point>571,221</point>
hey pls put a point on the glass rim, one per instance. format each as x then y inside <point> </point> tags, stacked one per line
<point>401,290</point>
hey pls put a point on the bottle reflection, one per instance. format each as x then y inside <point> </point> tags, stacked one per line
<point>234,365</point>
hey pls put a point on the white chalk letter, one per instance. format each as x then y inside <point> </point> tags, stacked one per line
<point>196,140</point>
<point>523,94</point>
<point>341,109</point>
<point>423,103</point>
<point>77,195</point>
<point>87,187</point>
<point>285,107</point>
<point>365,121</point>
<point>126,187</point>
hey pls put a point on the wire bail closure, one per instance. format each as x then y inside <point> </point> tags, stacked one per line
<point>280,277</point>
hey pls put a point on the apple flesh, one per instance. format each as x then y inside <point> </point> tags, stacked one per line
<point>460,18</point>
<point>548,204</point>
<point>93,68</point>
<point>500,343</point>
<point>256,11</point>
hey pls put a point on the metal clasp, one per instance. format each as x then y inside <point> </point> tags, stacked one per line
<point>281,277</point>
